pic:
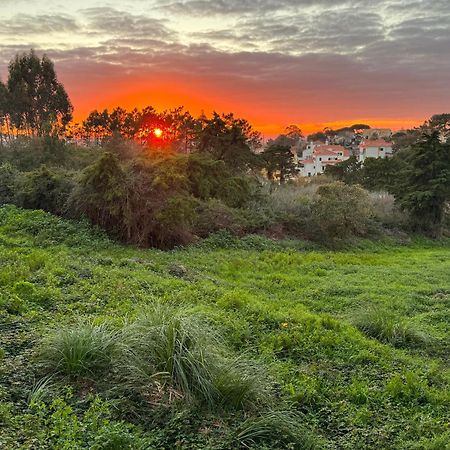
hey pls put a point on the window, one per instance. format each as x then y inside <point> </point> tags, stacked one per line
<point>320,159</point>
<point>309,174</point>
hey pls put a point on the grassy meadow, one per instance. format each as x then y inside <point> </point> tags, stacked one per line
<point>227,344</point>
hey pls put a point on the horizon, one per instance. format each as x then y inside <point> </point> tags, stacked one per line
<point>313,64</point>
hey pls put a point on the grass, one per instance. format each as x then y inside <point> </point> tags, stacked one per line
<point>254,340</point>
<point>83,349</point>
<point>389,327</point>
<point>172,356</point>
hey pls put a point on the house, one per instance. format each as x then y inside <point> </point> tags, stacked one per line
<point>318,157</point>
<point>374,149</point>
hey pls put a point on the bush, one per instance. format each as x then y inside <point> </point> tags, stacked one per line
<point>84,349</point>
<point>45,189</point>
<point>387,212</point>
<point>8,183</point>
<point>388,327</point>
<point>214,216</point>
<point>340,211</point>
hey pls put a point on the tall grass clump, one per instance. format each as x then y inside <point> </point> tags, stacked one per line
<point>388,327</point>
<point>169,356</point>
<point>84,349</point>
<point>280,429</point>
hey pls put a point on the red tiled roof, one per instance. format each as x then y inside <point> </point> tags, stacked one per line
<point>307,161</point>
<point>328,149</point>
<point>375,143</point>
<point>333,161</point>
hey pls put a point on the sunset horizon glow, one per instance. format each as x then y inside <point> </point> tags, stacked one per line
<point>313,64</point>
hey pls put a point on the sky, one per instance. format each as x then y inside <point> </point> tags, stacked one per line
<point>274,62</point>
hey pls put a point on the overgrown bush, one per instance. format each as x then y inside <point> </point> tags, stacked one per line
<point>387,212</point>
<point>45,189</point>
<point>340,211</point>
<point>8,183</point>
<point>214,215</point>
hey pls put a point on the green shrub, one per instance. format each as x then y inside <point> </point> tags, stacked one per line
<point>83,349</point>
<point>214,215</point>
<point>9,178</point>
<point>340,211</point>
<point>386,326</point>
<point>45,189</point>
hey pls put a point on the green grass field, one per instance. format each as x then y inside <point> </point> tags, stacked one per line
<point>354,344</point>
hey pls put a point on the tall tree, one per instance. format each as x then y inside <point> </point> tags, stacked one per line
<point>425,189</point>
<point>229,139</point>
<point>38,103</point>
<point>348,171</point>
<point>3,111</point>
<point>279,160</point>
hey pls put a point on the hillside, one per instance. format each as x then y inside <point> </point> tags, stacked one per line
<point>334,350</point>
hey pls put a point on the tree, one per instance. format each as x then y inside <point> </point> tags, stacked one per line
<point>97,124</point>
<point>279,159</point>
<point>381,174</point>
<point>294,132</point>
<point>37,102</point>
<point>229,139</point>
<point>348,171</point>
<point>3,110</point>
<point>425,189</point>
<point>319,136</point>
<point>441,123</point>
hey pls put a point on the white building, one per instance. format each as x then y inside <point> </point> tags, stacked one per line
<point>374,149</point>
<point>317,157</point>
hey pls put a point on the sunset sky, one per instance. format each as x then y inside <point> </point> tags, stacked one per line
<point>275,62</point>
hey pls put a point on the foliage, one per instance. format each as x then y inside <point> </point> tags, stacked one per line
<point>279,159</point>
<point>44,189</point>
<point>425,188</point>
<point>281,428</point>
<point>37,103</point>
<point>348,171</point>
<point>230,140</point>
<point>340,211</point>
<point>8,183</point>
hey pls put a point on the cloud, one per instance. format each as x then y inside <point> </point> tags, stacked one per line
<point>282,59</point>
<point>28,25</point>
<point>120,23</point>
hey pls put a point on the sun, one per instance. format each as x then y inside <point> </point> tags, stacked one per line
<point>157,132</point>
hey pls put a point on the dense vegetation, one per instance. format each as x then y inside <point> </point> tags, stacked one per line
<point>248,332</point>
<point>232,343</point>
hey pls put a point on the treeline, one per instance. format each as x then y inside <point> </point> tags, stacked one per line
<point>165,178</point>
